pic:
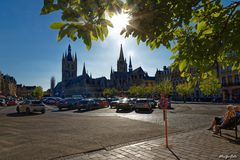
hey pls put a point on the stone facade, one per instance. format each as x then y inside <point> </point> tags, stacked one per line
<point>230,81</point>
<point>25,91</point>
<point>8,85</point>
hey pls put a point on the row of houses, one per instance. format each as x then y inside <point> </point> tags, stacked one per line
<point>10,88</point>
<point>229,79</point>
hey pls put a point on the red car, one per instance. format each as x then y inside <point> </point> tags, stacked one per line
<point>11,103</point>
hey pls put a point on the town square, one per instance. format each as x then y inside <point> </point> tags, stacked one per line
<point>120,80</point>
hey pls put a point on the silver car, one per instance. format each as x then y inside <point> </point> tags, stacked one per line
<point>31,106</point>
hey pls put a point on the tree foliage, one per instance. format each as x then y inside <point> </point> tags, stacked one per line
<point>38,92</point>
<point>109,92</point>
<point>136,91</point>
<point>165,88</point>
<point>86,20</point>
<point>201,33</point>
<point>210,86</point>
<point>185,89</point>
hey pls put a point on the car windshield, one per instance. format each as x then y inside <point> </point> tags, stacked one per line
<point>124,100</point>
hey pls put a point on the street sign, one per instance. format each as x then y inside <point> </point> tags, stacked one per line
<point>163,103</point>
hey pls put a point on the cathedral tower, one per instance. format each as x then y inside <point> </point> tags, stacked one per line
<point>121,63</point>
<point>130,65</point>
<point>69,66</point>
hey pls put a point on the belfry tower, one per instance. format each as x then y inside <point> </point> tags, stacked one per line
<point>69,66</point>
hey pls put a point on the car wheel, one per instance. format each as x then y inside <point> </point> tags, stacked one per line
<point>27,110</point>
<point>136,110</point>
<point>60,108</point>
<point>18,110</point>
<point>117,110</point>
<point>43,111</point>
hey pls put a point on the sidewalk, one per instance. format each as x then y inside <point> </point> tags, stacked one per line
<point>197,145</point>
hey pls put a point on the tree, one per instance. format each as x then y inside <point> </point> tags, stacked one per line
<point>109,92</point>
<point>185,89</point>
<point>201,33</point>
<point>38,92</point>
<point>210,86</point>
<point>165,88</point>
<point>137,91</point>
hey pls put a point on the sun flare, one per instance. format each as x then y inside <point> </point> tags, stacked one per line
<point>119,21</point>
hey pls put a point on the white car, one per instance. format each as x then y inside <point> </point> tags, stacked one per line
<point>31,106</point>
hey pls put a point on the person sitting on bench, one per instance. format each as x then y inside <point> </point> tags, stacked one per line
<point>222,120</point>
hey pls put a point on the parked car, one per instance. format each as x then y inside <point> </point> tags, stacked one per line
<point>124,104</point>
<point>52,100</point>
<point>143,104</point>
<point>69,103</point>
<point>87,104</point>
<point>152,102</point>
<point>114,102</point>
<point>102,102</point>
<point>2,102</point>
<point>11,103</point>
<point>31,106</point>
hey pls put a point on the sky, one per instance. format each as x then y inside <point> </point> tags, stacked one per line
<point>30,53</point>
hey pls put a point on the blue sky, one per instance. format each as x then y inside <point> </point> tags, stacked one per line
<point>29,50</point>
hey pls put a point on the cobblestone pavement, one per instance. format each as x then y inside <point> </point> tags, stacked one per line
<point>195,145</point>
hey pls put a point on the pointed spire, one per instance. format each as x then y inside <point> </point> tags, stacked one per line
<point>75,57</point>
<point>121,57</point>
<point>69,55</point>
<point>130,64</point>
<point>84,70</point>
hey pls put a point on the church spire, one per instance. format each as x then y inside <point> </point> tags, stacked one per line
<point>130,64</point>
<point>121,57</point>
<point>84,70</point>
<point>75,57</point>
<point>69,56</point>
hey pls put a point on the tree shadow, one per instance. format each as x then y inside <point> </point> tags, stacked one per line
<point>173,153</point>
<point>123,111</point>
<point>144,111</point>
<point>22,114</point>
<point>87,110</point>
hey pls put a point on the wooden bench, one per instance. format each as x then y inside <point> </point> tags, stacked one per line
<point>231,125</point>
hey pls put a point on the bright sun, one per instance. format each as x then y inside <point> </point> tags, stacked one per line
<point>119,21</point>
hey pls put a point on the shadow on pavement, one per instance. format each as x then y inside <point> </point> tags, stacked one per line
<point>144,111</point>
<point>123,111</point>
<point>22,114</point>
<point>229,138</point>
<point>173,153</point>
<point>86,110</point>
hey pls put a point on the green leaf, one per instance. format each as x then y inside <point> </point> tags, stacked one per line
<point>200,26</point>
<point>208,31</point>
<point>57,25</point>
<point>182,65</point>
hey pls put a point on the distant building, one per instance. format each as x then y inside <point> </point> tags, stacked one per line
<point>7,85</point>
<point>52,86</point>
<point>230,81</point>
<point>25,91</point>
<point>77,85</point>
<point>122,79</point>
<point>176,78</point>
<point>85,85</point>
